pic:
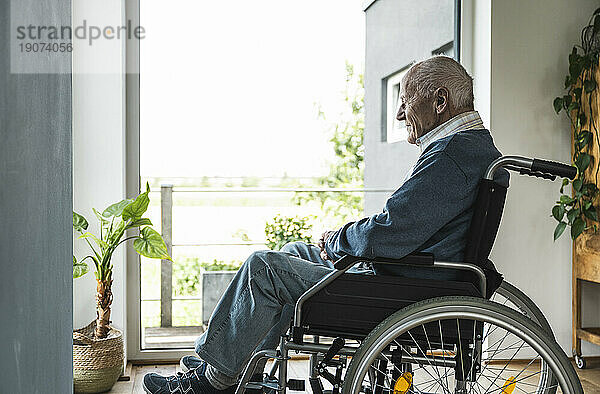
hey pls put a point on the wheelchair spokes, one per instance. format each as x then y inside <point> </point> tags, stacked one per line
<point>448,351</point>
<point>502,363</point>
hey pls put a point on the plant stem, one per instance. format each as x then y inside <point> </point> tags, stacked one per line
<point>126,239</point>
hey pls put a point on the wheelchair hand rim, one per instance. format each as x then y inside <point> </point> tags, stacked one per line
<point>453,309</point>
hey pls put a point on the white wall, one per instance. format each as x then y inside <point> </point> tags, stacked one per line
<point>530,42</point>
<point>98,146</point>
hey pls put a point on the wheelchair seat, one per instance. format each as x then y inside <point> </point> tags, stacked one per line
<point>353,304</point>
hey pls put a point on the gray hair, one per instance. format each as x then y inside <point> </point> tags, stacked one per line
<point>441,71</point>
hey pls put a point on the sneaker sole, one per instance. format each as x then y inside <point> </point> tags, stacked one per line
<point>145,388</point>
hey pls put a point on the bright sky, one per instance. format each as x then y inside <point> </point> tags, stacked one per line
<point>230,88</point>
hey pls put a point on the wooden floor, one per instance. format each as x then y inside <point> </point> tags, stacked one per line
<point>590,377</point>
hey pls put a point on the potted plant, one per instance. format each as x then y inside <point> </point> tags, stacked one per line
<point>98,347</point>
<point>215,277</point>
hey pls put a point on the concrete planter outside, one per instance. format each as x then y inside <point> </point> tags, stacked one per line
<point>214,284</point>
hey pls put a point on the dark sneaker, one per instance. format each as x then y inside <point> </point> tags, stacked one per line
<point>191,382</point>
<point>189,362</point>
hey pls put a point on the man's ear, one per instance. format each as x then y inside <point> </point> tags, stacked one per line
<point>441,100</point>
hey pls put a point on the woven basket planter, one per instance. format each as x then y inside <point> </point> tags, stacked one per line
<point>97,363</point>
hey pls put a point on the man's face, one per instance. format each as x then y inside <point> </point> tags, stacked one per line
<point>419,113</point>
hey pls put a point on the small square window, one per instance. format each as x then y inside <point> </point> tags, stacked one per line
<point>395,129</point>
<point>446,49</point>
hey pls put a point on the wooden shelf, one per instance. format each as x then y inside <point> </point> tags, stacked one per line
<point>590,334</point>
<point>586,248</point>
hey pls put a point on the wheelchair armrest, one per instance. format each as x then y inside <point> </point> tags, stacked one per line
<point>343,264</point>
<point>347,261</point>
<point>422,259</point>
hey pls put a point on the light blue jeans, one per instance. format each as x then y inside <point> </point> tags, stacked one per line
<point>257,308</point>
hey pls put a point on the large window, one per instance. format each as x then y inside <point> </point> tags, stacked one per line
<point>239,103</point>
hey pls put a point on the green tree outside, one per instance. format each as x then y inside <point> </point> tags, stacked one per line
<point>348,168</point>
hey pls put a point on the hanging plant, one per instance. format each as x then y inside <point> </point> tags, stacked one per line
<point>579,210</point>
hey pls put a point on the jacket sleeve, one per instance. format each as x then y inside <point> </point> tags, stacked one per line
<point>434,194</point>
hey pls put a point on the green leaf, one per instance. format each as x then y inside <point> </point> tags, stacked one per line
<point>116,209</point>
<point>79,222</point>
<point>586,61</point>
<point>560,228</point>
<point>589,191</point>
<point>150,244</point>
<point>565,182</point>
<point>585,137</point>
<point>558,103</point>
<point>567,83</point>
<point>591,213</point>
<point>583,161</point>
<point>577,183</point>
<point>589,85</point>
<point>558,211</point>
<point>116,234</point>
<point>100,218</point>
<point>564,199</point>
<point>577,228</point>
<point>573,106</point>
<point>575,68</point>
<point>137,208</point>
<point>100,242</point>
<point>572,214</point>
<point>139,222</point>
<point>79,268</point>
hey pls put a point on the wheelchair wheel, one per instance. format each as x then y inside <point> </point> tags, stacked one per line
<point>512,297</point>
<point>459,345</point>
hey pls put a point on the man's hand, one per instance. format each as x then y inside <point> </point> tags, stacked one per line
<point>324,237</point>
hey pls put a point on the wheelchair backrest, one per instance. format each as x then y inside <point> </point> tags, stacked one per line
<point>487,212</point>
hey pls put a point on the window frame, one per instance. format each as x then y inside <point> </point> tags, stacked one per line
<point>133,333</point>
<point>390,100</point>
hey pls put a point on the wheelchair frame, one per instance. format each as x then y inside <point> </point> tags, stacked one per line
<point>321,355</point>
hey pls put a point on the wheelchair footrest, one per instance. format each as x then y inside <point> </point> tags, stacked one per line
<point>316,385</point>
<point>296,385</point>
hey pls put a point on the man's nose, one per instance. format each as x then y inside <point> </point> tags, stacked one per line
<point>401,114</point>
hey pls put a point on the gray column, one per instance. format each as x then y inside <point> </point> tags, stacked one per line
<point>36,283</point>
<point>166,266</point>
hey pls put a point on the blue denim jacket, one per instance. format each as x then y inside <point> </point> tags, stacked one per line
<point>430,212</point>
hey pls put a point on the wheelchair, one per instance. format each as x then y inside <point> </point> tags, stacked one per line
<point>471,333</point>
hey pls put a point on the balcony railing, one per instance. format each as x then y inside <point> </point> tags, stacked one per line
<point>166,214</point>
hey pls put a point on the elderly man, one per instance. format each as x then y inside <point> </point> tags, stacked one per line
<point>430,212</point>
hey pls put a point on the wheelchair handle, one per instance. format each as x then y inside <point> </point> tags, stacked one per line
<point>533,167</point>
<point>555,168</point>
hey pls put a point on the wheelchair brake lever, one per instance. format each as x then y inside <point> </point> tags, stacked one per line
<point>336,346</point>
